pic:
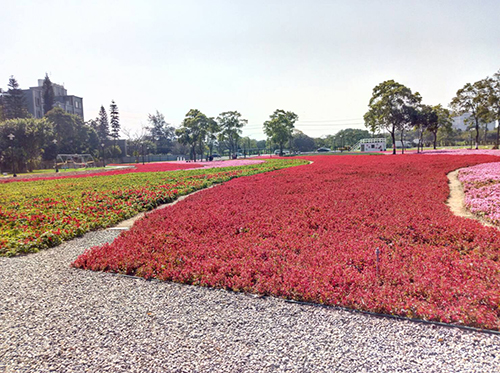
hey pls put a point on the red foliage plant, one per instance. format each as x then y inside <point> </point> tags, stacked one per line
<point>310,233</point>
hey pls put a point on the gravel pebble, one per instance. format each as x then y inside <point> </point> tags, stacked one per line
<point>57,319</point>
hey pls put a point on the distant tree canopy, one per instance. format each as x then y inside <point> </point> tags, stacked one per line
<point>471,99</point>
<point>15,102</point>
<point>192,131</point>
<point>160,132</point>
<point>481,100</point>
<point>261,144</point>
<point>48,95</point>
<point>230,126</point>
<point>438,119</point>
<point>114,121</point>
<point>349,137</point>
<point>423,117</point>
<point>391,108</point>
<point>301,142</point>
<point>30,137</point>
<point>279,128</point>
<point>493,101</point>
<point>213,130</point>
<point>103,125</point>
<point>2,108</point>
<point>71,133</point>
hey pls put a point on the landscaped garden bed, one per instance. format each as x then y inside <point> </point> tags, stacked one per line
<point>37,214</point>
<point>113,170</point>
<point>311,234</point>
<point>482,190</point>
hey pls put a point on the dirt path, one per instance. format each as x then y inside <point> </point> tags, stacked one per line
<point>456,200</point>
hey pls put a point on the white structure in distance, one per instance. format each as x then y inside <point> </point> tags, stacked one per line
<point>371,145</point>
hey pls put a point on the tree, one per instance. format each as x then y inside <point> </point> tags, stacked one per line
<point>301,142</point>
<point>24,151</point>
<point>347,137</point>
<point>247,144</point>
<point>439,119</point>
<point>113,151</point>
<point>280,127</point>
<point>471,100</point>
<point>115,121</point>
<point>193,130</point>
<point>160,132</point>
<point>93,143</point>
<point>69,130</point>
<point>135,140</point>
<point>492,86</point>
<point>93,123</point>
<point>2,107</point>
<point>261,145</point>
<point>48,95</point>
<point>230,124</point>
<point>212,132</point>
<point>423,116</point>
<point>449,136</point>
<point>391,108</point>
<point>103,126</point>
<point>15,102</point>
<point>180,149</point>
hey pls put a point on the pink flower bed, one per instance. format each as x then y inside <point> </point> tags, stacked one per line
<point>228,163</point>
<point>452,152</point>
<point>482,190</point>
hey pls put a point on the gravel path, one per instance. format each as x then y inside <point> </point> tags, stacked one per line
<point>57,319</point>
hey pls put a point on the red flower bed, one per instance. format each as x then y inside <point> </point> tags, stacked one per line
<point>149,167</point>
<point>310,233</point>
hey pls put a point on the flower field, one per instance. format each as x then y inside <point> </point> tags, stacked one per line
<point>311,234</point>
<point>138,167</point>
<point>482,190</point>
<point>42,213</point>
<point>149,167</point>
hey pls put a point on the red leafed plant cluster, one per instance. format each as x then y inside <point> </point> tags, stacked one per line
<point>149,167</point>
<point>310,233</point>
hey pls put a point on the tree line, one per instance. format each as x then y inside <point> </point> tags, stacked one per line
<point>197,136</point>
<point>394,108</point>
<point>481,100</point>
<point>200,136</point>
<point>200,133</point>
<point>25,141</point>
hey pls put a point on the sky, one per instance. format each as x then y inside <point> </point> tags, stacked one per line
<point>320,59</point>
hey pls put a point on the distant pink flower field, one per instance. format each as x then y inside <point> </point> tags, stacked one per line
<point>451,152</point>
<point>216,164</point>
<point>463,152</point>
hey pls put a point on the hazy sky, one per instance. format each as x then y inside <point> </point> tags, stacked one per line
<point>317,58</point>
